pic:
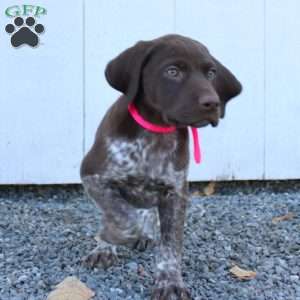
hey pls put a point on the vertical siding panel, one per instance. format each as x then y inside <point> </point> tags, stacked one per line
<point>233,31</point>
<point>282,89</point>
<point>111,27</point>
<point>41,99</point>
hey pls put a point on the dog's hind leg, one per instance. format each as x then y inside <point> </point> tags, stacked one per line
<point>121,223</point>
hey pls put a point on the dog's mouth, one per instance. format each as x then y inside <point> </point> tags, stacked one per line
<point>202,123</point>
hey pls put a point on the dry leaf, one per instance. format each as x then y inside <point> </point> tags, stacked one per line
<point>242,274</point>
<point>210,188</point>
<point>283,218</point>
<point>71,289</point>
<point>197,194</point>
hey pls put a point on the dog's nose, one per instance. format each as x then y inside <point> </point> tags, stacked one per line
<point>209,103</point>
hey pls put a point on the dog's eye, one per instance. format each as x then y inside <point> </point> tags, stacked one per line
<point>211,74</point>
<point>172,71</point>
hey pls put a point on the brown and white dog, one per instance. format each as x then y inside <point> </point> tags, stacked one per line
<point>132,173</point>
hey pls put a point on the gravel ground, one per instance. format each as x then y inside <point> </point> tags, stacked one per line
<point>44,232</point>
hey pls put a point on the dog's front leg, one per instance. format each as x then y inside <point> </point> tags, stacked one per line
<point>169,283</point>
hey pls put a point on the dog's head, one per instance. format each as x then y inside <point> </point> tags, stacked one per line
<point>177,77</point>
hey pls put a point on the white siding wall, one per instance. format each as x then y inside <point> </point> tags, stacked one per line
<point>41,103</point>
<point>54,96</point>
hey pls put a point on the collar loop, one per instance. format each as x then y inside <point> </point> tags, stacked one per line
<point>147,125</point>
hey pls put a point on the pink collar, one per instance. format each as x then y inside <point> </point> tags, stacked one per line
<point>160,129</point>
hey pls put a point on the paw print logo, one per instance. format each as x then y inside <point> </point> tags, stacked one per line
<point>24,33</point>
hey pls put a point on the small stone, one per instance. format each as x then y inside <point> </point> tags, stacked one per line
<point>17,298</point>
<point>294,278</point>
<point>294,271</point>
<point>41,284</point>
<point>279,269</point>
<point>133,266</point>
<point>22,278</point>
<point>9,260</point>
<point>227,248</point>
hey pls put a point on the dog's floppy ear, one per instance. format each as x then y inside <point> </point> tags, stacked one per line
<point>226,85</point>
<point>124,72</point>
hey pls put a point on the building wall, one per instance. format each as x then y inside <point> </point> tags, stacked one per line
<point>53,96</point>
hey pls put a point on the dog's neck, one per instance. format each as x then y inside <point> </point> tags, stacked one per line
<point>158,128</point>
<point>150,114</point>
<point>146,124</point>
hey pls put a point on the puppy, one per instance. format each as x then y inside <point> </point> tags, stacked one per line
<point>138,164</point>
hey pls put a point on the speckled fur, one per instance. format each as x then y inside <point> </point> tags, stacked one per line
<point>140,159</point>
<point>139,181</point>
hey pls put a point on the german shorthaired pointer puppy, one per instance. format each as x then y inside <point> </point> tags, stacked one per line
<point>137,167</point>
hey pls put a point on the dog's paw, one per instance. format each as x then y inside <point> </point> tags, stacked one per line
<point>171,292</point>
<point>144,243</point>
<point>101,257</point>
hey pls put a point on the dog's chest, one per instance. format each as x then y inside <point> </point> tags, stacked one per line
<point>144,157</point>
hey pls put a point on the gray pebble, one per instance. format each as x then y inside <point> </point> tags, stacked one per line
<point>22,279</point>
<point>132,266</point>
